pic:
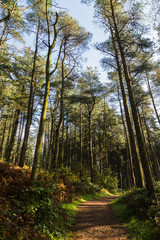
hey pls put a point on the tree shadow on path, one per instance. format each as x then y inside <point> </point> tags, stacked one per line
<point>95,219</point>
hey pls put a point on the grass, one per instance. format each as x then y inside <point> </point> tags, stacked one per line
<point>137,229</point>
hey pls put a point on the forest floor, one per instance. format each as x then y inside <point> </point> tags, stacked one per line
<point>96,219</point>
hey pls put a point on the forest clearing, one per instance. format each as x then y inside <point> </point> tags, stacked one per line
<point>71,141</point>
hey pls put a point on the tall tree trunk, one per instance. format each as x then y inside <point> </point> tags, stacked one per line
<point>9,135</point>
<point>119,168</point>
<point>54,164</point>
<point>21,128</point>
<point>100,141</point>
<point>106,162</point>
<point>74,147</point>
<point>70,149</point>
<point>151,94</point>
<point>61,148</point>
<point>43,159</point>
<point>30,105</point>
<point>3,138</point>
<point>154,162</point>
<point>66,142</point>
<point>13,136</point>
<point>132,176</point>
<point>42,120</point>
<point>48,153</point>
<point>142,149</point>
<point>90,147</point>
<point>135,155</point>
<point>80,136</point>
<point>46,95</point>
<point>52,132</point>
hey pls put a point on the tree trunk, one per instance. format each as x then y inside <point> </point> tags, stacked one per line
<point>13,136</point>
<point>52,132</point>
<point>3,138</point>
<point>142,149</point>
<point>9,135</point>
<point>153,102</point>
<point>90,148</point>
<point>100,141</point>
<point>135,155</point>
<point>119,168</point>
<point>46,96</point>
<point>54,164</point>
<point>132,176</point>
<point>154,162</point>
<point>44,154</point>
<point>42,120</point>
<point>70,149</point>
<point>30,105</point>
<point>61,148</point>
<point>106,161</point>
<point>66,142</point>
<point>21,128</point>
<point>80,136</point>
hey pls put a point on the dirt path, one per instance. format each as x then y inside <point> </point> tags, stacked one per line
<point>96,220</point>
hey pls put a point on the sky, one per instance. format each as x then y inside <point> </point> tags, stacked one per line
<point>84,15</point>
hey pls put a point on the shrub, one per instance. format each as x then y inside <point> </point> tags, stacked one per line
<point>138,204</point>
<point>137,228</point>
<point>108,181</point>
<point>142,230</point>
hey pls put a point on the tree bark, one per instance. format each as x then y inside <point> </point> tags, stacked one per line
<point>3,138</point>
<point>9,134</point>
<point>46,96</point>
<point>90,147</point>
<point>106,162</point>
<point>21,128</point>
<point>13,136</point>
<point>80,136</point>
<point>154,159</point>
<point>30,105</point>
<point>142,149</point>
<point>132,176</point>
<point>66,155</point>
<point>54,164</point>
<point>135,155</point>
<point>151,94</point>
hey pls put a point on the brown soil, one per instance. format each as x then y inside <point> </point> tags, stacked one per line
<point>96,220</point>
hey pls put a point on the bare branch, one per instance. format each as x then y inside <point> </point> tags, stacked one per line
<point>45,43</point>
<point>29,6</point>
<point>59,54</point>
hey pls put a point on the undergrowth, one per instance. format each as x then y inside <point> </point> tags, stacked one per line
<point>140,214</point>
<point>45,210</point>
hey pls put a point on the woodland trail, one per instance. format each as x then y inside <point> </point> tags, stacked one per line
<point>95,220</point>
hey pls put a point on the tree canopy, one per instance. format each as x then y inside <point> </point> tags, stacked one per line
<point>56,114</point>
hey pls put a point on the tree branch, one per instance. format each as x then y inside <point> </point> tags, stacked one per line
<point>29,6</point>
<point>59,54</point>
